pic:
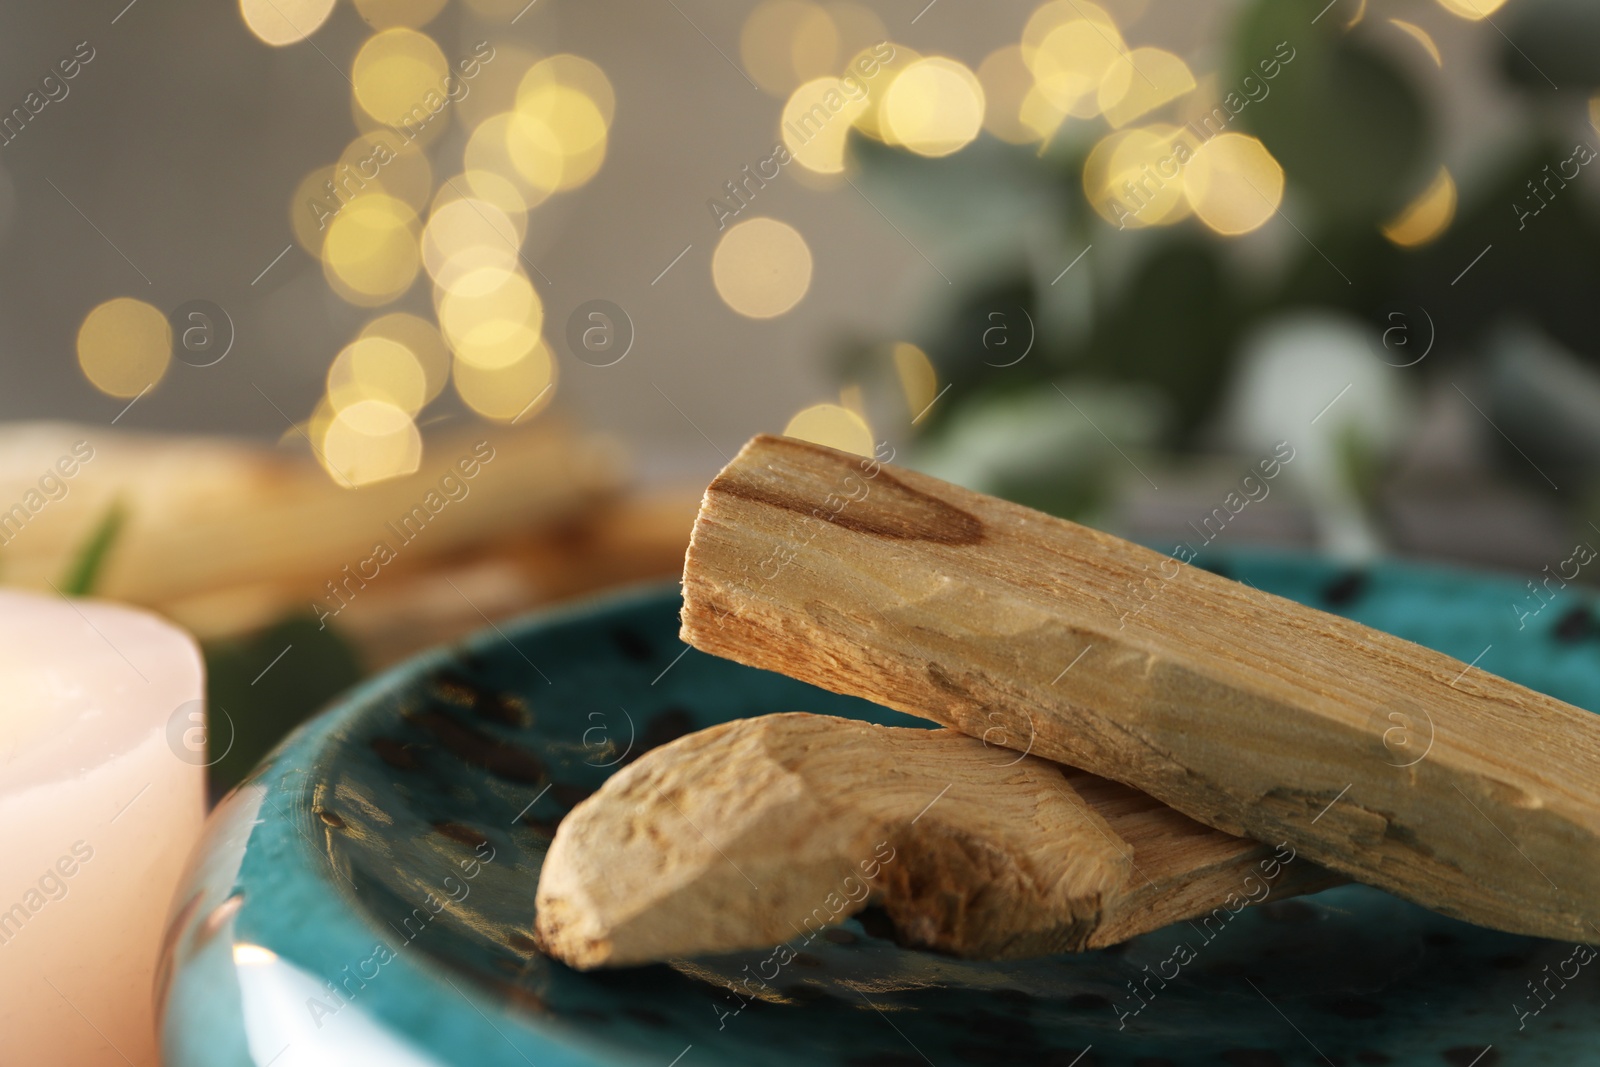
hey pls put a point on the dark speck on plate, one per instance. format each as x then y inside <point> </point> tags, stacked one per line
<point>1345,589</point>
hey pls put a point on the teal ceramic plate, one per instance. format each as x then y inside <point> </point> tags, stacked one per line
<point>366,896</point>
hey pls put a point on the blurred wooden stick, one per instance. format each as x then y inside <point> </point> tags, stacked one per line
<point>228,534</point>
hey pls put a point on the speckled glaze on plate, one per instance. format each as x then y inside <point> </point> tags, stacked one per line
<point>366,896</point>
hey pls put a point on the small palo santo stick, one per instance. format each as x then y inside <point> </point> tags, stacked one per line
<point>764,831</point>
<point>1248,712</point>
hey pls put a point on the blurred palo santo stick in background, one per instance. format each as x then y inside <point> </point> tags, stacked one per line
<point>224,535</point>
<point>1250,713</point>
<point>761,831</point>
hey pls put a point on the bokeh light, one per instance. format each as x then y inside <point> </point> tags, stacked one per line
<point>1135,177</point>
<point>1006,83</point>
<point>1426,217</point>
<point>834,426</point>
<point>284,22</point>
<point>1422,37</point>
<point>494,88</point>
<point>574,72</point>
<point>370,253</point>
<point>919,383</point>
<point>377,368</point>
<point>370,441</point>
<point>312,206</point>
<point>399,78</point>
<point>556,138</point>
<point>787,42</point>
<point>387,14</point>
<point>879,74</point>
<point>859,26</point>
<point>467,235</point>
<point>513,392</point>
<point>1472,9</point>
<point>422,339</point>
<point>490,317</point>
<point>761,268</point>
<point>381,161</point>
<point>489,151</point>
<point>1234,184</point>
<point>491,187</point>
<point>815,124</point>
<point>1149,78</point>
<point>934,107</point>
<point>1072,50</point>
<point>124,346</point>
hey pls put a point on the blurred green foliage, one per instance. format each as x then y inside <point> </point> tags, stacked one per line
<point>1359,136</point>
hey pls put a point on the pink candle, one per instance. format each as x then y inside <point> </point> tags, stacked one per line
<point>102,794</point>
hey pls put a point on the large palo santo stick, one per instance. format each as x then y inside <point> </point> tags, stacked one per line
<point>764,831</point>
<point>1248,712</point>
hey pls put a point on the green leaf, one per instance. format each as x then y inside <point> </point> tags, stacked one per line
<point>1346,125</point>
<point>261,687</point>
<point>90,560</point>
<point>1550,43</point>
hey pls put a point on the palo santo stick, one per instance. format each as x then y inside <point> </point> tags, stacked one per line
<point>226,535</point>
<point>1248,712</point>
<point>761,831</point>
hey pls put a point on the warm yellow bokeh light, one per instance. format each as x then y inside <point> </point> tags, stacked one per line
<point>494,88</point>
<point>124,346</point>
<point>489,150</point>
<point>467,235</point>
<point>858,25</point>
<point>490,317</point>
<point>385,162</point>
<point>934,107</point>
<point>387,14</point>
<point>283,22</point>
<point>377,368</point>
<point>370,441</point>
<point>1150,77</point>
<point>515,392</point>
<point>556,138</point>
<point>312,208</point>
<point>833,426</point>
<point>1135,177</point>
<point>1422,37</point>
<point>370,254</point>
<point>399,78</point>
<point>787,42</point>
<point>1472,9</point>
<point>1039,115</point>
<point>918,381</point>
<point>422,339</point>
<point>1049,17</point>
<point>1233,184</point>
<point>761,267</point>
<point>313,429</point>
<point>815,124</point>
<point>574,72</point>
<point>884,73</point>
<point>1006,83</point>
<point>489,187</point>
<point>1426,217</point>
<point>1075,60</point>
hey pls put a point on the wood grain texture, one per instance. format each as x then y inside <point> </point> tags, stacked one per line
<point>761,831</point>
<point>1246,711</point>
